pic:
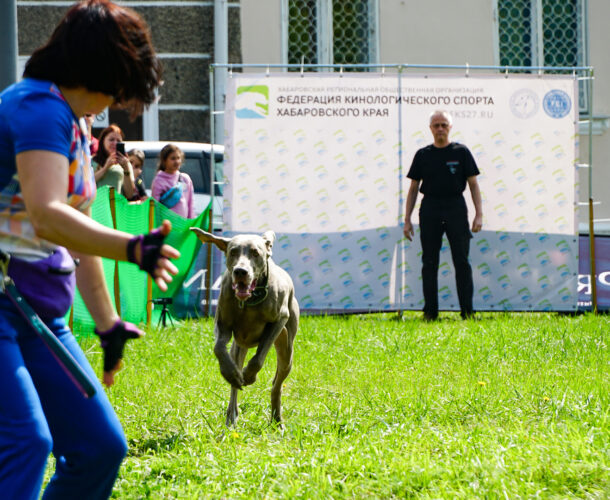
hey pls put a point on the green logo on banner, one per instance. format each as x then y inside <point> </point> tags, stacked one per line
<point>252,101</point>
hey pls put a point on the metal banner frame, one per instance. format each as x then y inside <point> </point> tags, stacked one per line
<point>578,73</point>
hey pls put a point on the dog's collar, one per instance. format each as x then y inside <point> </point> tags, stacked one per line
<point>259,294</point>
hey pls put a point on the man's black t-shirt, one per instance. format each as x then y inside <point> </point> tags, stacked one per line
<point>443,171</point>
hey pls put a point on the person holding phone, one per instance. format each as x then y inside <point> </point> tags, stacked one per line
<point>112,167</point>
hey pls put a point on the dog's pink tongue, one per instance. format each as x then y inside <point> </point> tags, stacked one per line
<point>243,291</point>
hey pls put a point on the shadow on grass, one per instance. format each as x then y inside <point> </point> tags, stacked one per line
<point>140,447</point>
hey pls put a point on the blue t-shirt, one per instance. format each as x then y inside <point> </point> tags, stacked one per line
<point>35,116</point>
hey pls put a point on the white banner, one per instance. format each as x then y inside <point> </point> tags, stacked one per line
<point>318,159</point>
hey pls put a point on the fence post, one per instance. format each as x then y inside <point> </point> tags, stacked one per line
<point>149,304</point>
<point>208,264</point>
<point>592,262</point>
<point>117,288</point>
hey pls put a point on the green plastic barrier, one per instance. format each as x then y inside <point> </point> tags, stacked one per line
<point>133,219</point>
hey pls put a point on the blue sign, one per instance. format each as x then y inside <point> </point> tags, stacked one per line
<point>557,103</point>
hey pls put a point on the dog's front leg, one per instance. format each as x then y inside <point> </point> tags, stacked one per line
<point>228,368</point>
<point>272,330</point>
<point>238,354</point>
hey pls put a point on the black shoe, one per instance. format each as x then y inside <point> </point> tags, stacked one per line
<point>467,315</point>
<point>430,317</point>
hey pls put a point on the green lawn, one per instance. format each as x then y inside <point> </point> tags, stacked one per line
<point>510,406</point>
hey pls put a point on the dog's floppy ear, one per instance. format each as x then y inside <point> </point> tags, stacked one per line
<point>269,237</point>
<point>206,237</point>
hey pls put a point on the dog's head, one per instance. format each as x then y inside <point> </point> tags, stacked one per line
<point>247,258</point>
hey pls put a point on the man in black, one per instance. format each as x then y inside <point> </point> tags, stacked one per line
<point>444,168</point>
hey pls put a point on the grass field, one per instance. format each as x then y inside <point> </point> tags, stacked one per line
<point>509,406</point>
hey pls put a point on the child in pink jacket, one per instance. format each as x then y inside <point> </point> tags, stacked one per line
<point>170,186</point>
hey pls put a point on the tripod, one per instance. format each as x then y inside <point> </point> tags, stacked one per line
<point>165,302</point>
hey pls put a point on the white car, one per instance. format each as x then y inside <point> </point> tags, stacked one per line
<point>197,164</point>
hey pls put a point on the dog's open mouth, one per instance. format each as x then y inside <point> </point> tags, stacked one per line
<point>243,291</point>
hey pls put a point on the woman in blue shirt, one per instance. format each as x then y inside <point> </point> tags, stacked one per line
<point>100,54</point>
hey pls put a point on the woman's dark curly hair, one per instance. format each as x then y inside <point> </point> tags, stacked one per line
<point>105,48</point>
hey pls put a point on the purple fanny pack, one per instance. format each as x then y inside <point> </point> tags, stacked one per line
<point>48,284</point>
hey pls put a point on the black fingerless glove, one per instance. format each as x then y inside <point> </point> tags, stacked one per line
<point>113,342</point>
<point>150,250</point>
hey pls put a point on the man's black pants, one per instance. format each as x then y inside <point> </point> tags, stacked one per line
<point>449,216</point>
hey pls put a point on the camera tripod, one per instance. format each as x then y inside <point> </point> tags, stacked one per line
<point>165,302</point>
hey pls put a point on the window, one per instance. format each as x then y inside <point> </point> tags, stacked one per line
<point>330,31</point>
<point>543,33</point>
<point>302,32</point>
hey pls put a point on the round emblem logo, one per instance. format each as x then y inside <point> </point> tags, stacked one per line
<point>557,103</point>
<point>524,103</point>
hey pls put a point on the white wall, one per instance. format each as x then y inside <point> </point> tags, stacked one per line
<point>436,32</point>
<point>261,31</point>
<point>599,13</point>
<point>411,31</point>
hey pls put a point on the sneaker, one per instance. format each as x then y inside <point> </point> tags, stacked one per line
<point>467,315</point>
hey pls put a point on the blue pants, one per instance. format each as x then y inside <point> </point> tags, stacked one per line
<point>42,411</point>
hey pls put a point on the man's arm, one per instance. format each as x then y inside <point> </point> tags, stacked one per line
<point>475,192</point>
<point>410,205</point>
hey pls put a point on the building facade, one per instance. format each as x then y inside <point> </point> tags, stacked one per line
<point>183,35</point>
<point>477,32</point>
<point>564,33</point>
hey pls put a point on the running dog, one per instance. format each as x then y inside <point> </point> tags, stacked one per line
<point>257,307</point>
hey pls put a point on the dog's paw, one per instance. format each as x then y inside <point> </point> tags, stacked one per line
<point>234,377</point>
<point>249,375</point>
<point>276,418</point>
<point>232,414</point>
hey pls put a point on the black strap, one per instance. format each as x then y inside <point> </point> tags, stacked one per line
<point>59,351</point>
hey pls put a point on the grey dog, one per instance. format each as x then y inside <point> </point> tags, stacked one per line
<point>257,307</point>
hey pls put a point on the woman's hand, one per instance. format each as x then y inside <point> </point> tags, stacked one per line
<point>129,181</point>
<point>122,160</point>
<point>165,268</point>
<point>151,255</point>
<point>101,170</point>
<point>113,343</point>
<point>111,160</point>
